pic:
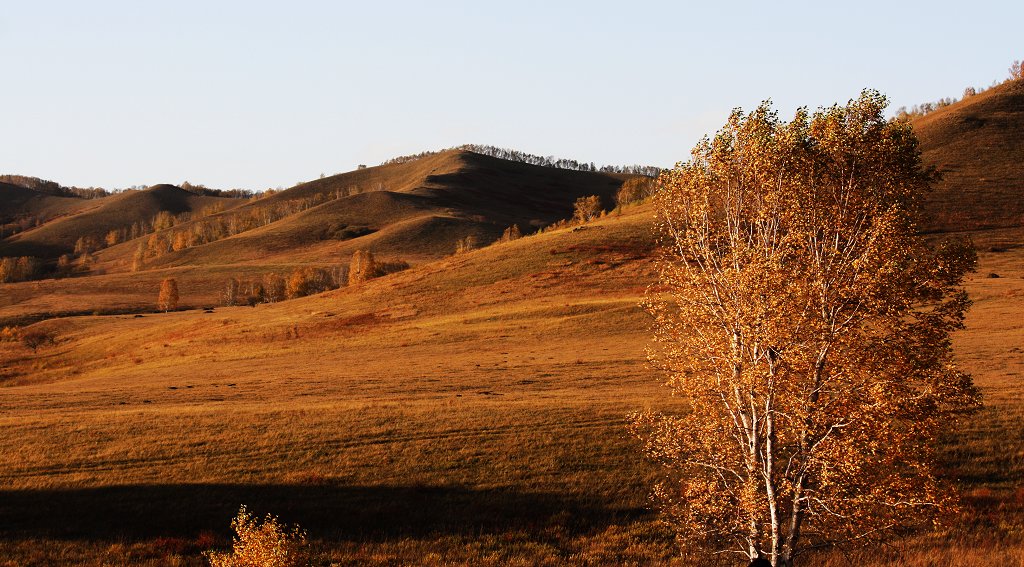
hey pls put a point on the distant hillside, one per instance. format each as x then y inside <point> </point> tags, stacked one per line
<point>413,210</point>
<point>94,217</point>
<point>18,203</point>
<point>978,146</point>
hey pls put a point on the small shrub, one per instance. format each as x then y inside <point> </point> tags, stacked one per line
<point>266,543</point>
<point>36,339</point>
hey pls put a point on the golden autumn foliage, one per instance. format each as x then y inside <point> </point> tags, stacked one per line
<point>511,233</point>
<point>634,189</point>
<point>308,281</point>
<point>266,543</point>
<point>10,334</point>
<point>19,269</point>
<point>363,267</point>
<point>586,208</point>
<point>808,323</point>
<point>168,298</point>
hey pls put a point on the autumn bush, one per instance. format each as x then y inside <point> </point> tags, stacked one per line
<point>266,543</point>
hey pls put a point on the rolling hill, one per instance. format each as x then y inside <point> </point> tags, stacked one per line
<point>977,145</point>
<point>18,203</point>
<point>414,211</point>
<point>96,217</point>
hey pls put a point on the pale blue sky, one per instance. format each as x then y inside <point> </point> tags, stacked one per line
<point>260,94</point>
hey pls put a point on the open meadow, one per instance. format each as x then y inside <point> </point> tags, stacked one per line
<point>469,410</point>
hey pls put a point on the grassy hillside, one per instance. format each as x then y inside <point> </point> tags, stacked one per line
<point>415,211</point>
<point>95,217</point>
<point>17,202</point>
<point>466,411</point>
<point>978,146</point>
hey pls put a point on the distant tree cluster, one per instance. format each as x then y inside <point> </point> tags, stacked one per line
<point>271,288</point>
<point>87,244</point>
<point>32,339</point>
<point>58,190</point>
<point>311,281</point>
<point>10,334</point>
<point>923,109</point>
<point>635,189</point>
<point>20,269</point>
<point>216,226</point>
<point>54,188</point>
<point>37,338</point>
<point>12,226</point>
<point>205,191</point>
<point>532,159</point>
<point>307,280</point>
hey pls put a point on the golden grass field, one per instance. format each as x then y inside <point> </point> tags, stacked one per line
<point>467,411</point>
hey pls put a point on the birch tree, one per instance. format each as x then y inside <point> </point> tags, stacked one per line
<point>808,323</point>
<point>168,298</point>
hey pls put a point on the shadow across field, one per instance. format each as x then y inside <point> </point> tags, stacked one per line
<point>139,512</point>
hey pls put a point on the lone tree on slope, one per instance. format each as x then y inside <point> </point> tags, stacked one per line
<point>168,298</point>
<point>808,323</point>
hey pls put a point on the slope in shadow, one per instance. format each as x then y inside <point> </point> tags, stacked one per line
<point>139,512</point>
